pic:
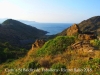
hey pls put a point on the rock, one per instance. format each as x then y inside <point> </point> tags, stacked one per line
<point>38,44</point>
<point>72,30</point>
<point>76,45</point>
<point>87,36</point>
<point>83,46</point>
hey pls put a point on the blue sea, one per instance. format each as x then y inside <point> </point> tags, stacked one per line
<point>52,28</point>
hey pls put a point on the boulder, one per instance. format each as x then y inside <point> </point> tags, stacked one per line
<point>38,44</point>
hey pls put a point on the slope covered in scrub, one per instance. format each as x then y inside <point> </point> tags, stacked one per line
<point>56,46</point>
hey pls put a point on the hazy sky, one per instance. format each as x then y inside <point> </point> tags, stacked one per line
<point>56,11</point>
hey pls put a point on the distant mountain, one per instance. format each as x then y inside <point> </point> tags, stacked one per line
<point>18,33</point>
<point>90,25</point>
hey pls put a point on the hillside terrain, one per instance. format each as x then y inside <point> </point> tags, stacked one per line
<point>91,25</point>
<point>9,53</point>
<point>16,39</point>
<point>74,51</point>
<point>17,33</point>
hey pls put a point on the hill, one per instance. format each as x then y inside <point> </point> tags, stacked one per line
<point>73,52</point>
<point>23,21</point>
<point>90,25</point>
<point>56,57</point>
<point>17,33</point>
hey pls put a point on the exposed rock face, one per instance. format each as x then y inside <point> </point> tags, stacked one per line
<point>83,46</point>
<point>90,25</point>
<point>38,44</point>
<point>72,30</point>
<point>86,36</point>
<point>79,44</point>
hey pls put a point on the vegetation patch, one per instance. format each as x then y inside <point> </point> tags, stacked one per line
<point>95,43</point>
<point>56,46</point>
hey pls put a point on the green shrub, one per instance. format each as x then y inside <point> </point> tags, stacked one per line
<point>31,64</point>
<point>95,43</point>
<point>94,65</point>
<point>59,69</point>
<point>58,66</point>
<point>56,46</point>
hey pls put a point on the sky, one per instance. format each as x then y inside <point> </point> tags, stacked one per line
<point>50,11</point>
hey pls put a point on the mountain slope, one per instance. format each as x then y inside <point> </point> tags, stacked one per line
<point>63,55</point>
<point>90,25</point>
<point>16,32</point>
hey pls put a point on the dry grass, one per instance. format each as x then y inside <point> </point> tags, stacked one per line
<point>72,59</point>
<point>97,54</point>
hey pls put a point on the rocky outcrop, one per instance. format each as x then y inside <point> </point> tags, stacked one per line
<point>87,36</point>
<point>90,25</point>
<point>72,30</point>
<point>38,44</point>
<point>83,46</point>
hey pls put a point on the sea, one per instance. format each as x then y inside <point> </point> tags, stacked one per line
<point>52,28</point>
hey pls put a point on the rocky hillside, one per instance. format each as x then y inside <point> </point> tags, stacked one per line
<point>72,30</point>
<point>18,33</point>
<point>91,25</point>
<point>59,53</point>
<point>76,52</point>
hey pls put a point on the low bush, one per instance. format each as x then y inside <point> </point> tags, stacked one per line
<point>59,69</point>
<point>56,46</point>
<point>95,43</point>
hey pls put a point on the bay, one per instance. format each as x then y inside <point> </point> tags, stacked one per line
<point>52,28</point>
